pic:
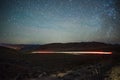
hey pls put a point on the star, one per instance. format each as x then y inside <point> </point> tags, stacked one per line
<point>45,21</point>
<point>70,0</point>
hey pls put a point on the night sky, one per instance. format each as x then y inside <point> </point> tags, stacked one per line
<point>53,21</point>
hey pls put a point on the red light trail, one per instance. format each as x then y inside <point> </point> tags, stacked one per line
<point>74,52</point>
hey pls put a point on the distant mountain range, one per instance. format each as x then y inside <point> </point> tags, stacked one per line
<point>81,46</point>
<point>22,47</point>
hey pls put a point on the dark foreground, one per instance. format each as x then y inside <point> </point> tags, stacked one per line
<point>21,66</point>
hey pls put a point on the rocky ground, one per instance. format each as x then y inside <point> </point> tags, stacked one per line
<point>19,66</point>
<point>114,73</point>
<point>99,71</point>
<point>96,71</point>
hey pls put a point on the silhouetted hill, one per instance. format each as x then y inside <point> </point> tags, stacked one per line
<point>12,63</point>
<point>79,46</point>
<point>21,47</point>
<point>7,53</point>
<point>12,46</point>
<point>83,46</point>
<point>2,48</point>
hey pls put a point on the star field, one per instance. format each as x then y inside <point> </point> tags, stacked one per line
<point>50,21</point>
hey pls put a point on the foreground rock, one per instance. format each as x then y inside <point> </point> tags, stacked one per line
<point>114,73</point>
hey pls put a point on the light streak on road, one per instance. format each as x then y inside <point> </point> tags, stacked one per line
<point>74,52</point>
